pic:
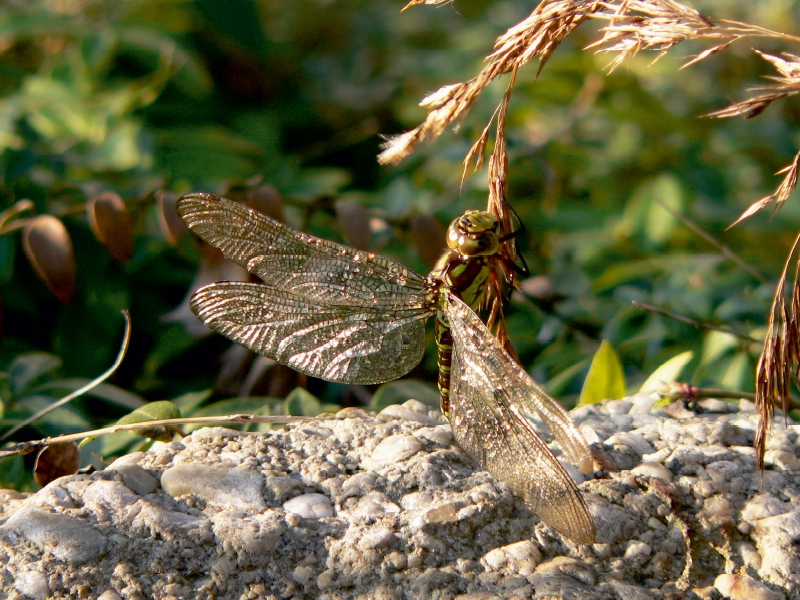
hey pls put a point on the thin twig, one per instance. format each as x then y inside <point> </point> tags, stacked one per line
<point>93,383</point>
<point>685,391</point>
<point>32,446</point>
<point>694,323</point>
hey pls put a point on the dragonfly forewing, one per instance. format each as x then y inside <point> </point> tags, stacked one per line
<point>486,389</point>
<point>291,260</point>
<point>348,344</point>
<point>327,310</point>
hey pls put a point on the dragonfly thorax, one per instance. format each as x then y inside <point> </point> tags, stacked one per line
<point>475,233</point>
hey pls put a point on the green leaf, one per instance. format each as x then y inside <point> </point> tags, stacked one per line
<point>13,472</point>
<point>558,384</point>
<point>251,405</point>
<point>716,345</point>
<point>669,371</point>
<point>740,373</point>
<point>29,367</point>
<point>402,390</point>
<point>666,198</point>
<point>650,210</point>
<point>154,411</point>
<point>255,405</point>
<point>64,419</point>
<point>189,402</point>
<point>605,379</point>
<point>302,403</point>
<point>106,391</point>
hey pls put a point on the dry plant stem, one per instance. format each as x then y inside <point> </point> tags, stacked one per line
<point>538,35</point>
<point>502,277</point>
<point>714,241</point>
<point>780,356</point>
<point>636,25</point>
<point>633,25</point>
<point>693,322</point>
<point>93,383</point>
<point>779,196</point>
<point>721,393</point>
<point>32,446</point>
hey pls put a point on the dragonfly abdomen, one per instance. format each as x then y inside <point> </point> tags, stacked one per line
<point>464,277</point>
<point>444,345</point>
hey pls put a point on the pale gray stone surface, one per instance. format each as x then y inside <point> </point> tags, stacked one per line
<point>363,506</point>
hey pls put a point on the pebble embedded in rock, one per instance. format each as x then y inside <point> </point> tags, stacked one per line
<point>400,411</point>
<point>234,489</point>
<point>135,477</point>
<point>310,506</point>
<point>565,565</point>
<point>520,557</point>
<point>781,459</point>
<point>649,469</point>
<point>634,441</point>
<point>742,587</point>
<point>32,584</point>
<point>69,539</point>
<point>394,449</point>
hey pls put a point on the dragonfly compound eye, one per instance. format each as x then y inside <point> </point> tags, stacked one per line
<point>474,233</point>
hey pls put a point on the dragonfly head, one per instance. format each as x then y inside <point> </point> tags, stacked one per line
<point>474,233</point>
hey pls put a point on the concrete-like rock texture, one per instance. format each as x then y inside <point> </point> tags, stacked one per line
<point>362,506</point>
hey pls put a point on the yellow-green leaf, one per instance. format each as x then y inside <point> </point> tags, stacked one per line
<point>397,392</point>
<point>302,403</point>
<point>605,378</point>
<point>669,371</point>
<point>154,411</point>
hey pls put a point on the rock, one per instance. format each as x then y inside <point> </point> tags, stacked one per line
<point>72,540</point>
<point>309,506</point>
<point>359,506</point>
<point>235,489</point>
<point>32,584</point>
<point>392,450</point>
<point>742,587</point>
<point>135,477</point>
<point>401,411</point>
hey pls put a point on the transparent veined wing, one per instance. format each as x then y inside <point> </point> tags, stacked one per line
<point>487,389</point>
<point>348,344</point>
<point>288,259</point>
<point>324,309</point>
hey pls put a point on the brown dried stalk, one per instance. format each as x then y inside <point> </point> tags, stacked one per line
<point>636,25</point>
<point>779,196</point>
<point>786,84</point>
<point>780,358</point>
<point>538,35</point>
<point>633,25</point>
<point>503,276</point>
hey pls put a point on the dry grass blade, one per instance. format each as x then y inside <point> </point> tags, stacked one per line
<point>92,384</point>
<point>31,446</point>
<point>536,36</point>
<point>779,357</point>
<point>633,25</point>
<point>418,2</point>
<point>636,25</point>
<point>779,196</point>
<point>786,84</point>
<point>660,25</point>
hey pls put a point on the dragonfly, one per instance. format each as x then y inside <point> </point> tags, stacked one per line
<point>349,316</point>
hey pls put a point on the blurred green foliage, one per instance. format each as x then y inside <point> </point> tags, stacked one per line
<point>145,97</point>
